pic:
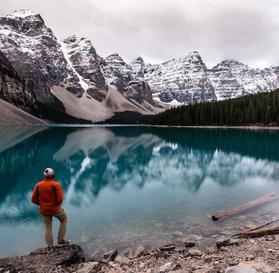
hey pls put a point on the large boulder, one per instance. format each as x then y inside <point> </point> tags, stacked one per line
<point>42,261</point>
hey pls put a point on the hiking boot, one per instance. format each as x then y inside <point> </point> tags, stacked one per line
<point>64,242</point>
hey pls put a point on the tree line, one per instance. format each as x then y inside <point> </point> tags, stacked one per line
<point>257,109</point>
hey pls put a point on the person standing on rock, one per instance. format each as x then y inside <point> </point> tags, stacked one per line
<point>49,196</point>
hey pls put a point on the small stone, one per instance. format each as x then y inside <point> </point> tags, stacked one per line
<point>249,257</point>
<point>181,250</point>
<point>167,247</point>
<point>168,267</point>
<point>90,267</point>
<point>250,267</point>
<point>197,237</point>
<point>177,234</point>
<point>137,252</point>
<point>206,270</point>
<point>97,256</point>
<point>270,250</point>
<point>189,243</point>
<point>122,259</point>
<point>207,259</point>
<point>223,242</point>
<point>110,256</point>
<point>270,238</point>
<point>195,253</point>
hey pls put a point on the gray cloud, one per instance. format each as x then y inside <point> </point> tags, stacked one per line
<point>162,29</point>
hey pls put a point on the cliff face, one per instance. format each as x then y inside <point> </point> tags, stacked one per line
<point>187,80</point>
<point>13,89</point>
<point>67,77</point>
<point>122,75</point>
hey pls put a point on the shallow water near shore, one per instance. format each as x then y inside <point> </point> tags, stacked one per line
<point>126,186</point>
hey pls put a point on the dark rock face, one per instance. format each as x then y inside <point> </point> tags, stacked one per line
<point>85,61</point>
<point>46,65</point>
<point>129,82</point>
<point>138,67</point>
<point>140,91</point>
<point>13,89</point>
<point>41,261</point>
<point>35,53</point>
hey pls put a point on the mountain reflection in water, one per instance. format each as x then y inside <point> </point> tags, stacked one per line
<point>201,164</point>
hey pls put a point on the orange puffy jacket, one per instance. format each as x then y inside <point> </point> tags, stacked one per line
<point>48,195</point>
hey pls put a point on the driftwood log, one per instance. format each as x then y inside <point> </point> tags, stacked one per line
<point>252,230</point>
<point>249,205</point>
<point>258,232</point>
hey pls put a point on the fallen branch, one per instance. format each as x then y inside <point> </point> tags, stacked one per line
<point>256,228</point>
<point>252,204</point>
<point>258,232</point>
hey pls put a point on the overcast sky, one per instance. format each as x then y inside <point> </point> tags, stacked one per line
<point>158,30</point>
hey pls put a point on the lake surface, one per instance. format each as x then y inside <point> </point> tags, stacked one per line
<point>135,185</point>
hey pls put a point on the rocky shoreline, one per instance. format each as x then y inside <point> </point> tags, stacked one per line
<point>260,255</point>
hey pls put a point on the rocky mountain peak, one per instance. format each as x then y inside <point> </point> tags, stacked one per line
<point>231,63</point>
<point>84,60</point>
<point>34,52</point>
<point>138,60</point>
<point>26,22</point>
<point>23,13</point>
<point>115,58</point>
<point>81,45</point>
<point>138,67</point>
<point>194,55</point>
<point>193,58</point>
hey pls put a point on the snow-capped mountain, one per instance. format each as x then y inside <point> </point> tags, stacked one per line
<point>34,51</point>
<point>83,59</point>
<point>121,75</point>
<point>182,80</point>
<point>67,76</point>
<point>187,80</point>
<point>68,79</point>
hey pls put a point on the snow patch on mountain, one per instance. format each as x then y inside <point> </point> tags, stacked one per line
<point>82,82</point>
<point>23,13</point>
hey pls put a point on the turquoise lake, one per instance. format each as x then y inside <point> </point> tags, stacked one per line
<point>131,185</point>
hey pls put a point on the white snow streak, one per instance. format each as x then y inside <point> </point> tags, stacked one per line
<point>82,82</point>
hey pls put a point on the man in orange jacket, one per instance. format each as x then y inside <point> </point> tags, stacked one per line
<point>49,196</point>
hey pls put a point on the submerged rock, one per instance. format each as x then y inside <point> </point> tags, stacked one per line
<point>137,252</point>
<point>41,260</point>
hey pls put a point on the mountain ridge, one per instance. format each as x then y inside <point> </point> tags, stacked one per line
<point>69,77</point>
<point>71,66</point>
